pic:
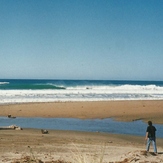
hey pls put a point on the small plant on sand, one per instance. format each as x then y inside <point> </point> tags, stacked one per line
<point>83,157</point>
<point>28,159</point>
<point>32,159</point>
<point>31,154</point>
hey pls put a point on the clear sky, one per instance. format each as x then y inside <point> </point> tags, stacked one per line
<point>81,39</point>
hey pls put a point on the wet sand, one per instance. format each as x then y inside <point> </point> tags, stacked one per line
<point>120,110</point>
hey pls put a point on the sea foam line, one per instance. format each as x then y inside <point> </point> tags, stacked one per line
<point>20,96</point>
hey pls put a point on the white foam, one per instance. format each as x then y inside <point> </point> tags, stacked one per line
<point>1,83</point>
<point>93,93</point>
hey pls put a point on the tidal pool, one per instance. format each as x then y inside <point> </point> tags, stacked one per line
<point>108,125</point>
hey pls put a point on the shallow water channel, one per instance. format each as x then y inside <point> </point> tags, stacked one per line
<point>92,125</point>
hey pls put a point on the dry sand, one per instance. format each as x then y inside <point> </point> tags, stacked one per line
<point>71,146</point>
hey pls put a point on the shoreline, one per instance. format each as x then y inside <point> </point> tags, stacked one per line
<point>131,110</point>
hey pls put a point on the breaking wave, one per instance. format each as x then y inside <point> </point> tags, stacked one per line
<point>20,91</point>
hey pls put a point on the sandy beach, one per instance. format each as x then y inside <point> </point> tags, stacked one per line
<point>120,110</point>
<point>72,146</point>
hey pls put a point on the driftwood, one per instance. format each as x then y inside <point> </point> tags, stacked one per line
<point>12,127</point>
<point>9,116</point>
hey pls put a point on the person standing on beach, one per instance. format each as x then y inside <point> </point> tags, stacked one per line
<point>151,136</point>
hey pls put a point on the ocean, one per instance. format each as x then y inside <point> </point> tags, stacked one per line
<point>23,91</point>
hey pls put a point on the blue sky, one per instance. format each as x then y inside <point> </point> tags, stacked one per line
<point>81,39</point>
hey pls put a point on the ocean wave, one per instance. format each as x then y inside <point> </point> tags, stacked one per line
<point>46,86</point>
<point>53,86</point>
<point>29,86</point>
<point>20,91</point>
<point>2,83</point>
<point>126,87</point>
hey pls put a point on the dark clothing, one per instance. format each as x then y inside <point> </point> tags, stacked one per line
<point>151,131</point>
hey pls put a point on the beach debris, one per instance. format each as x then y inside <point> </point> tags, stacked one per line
<point>141,157</point>
<point>110,142</point>
<point>138,119</point>
<point>9,116</point>
<point>12,127</point>
<point>30,160</point>
<point>27,159</point>
<point>44,131</point>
